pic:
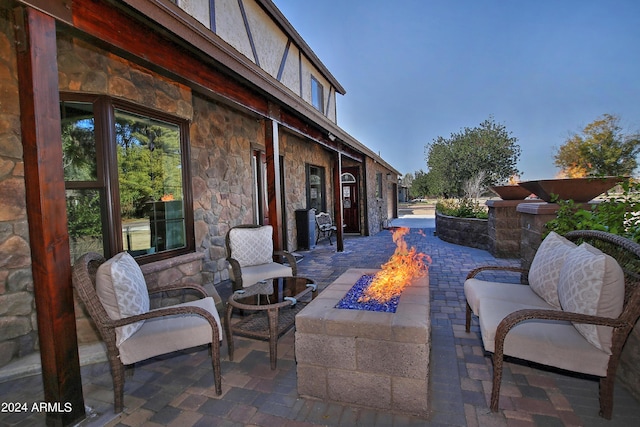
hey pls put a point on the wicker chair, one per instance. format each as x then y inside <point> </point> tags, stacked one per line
<point>164,330</point>
<point>627,255</point>
<point>251,256</point>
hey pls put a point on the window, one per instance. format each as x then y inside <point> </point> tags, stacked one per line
<point>378,185</point>
<point>316,189</point>
<point>317,95</point>
<point>125,177</point>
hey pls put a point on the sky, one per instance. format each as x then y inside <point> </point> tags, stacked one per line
<point>415,70</point>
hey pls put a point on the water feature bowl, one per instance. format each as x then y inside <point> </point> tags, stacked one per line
<point>580,190</point>
<point>511,192</point>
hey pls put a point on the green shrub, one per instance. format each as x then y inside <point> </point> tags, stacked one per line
<point>617,214</point>
<point>462,208</point>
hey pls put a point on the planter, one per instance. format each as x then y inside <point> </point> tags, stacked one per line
<point>580,190</point>
<point>471,232</point>
<point>511,192</point>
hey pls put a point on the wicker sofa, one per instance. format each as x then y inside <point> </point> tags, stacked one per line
<point>576,313</point>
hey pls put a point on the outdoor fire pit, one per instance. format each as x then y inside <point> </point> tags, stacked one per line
<point>368,358</point>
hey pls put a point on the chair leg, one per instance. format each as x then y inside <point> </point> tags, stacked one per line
<point>498,360</point>
<point>467,324</point>
<point>117,372</point>
<point>215,362</point>
<point>606,396</point>
<point>227,329</point>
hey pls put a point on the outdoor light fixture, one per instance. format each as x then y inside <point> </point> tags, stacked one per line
<point>332,137</point>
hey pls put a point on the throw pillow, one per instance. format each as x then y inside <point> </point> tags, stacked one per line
<point>122,290</point>
<point>592,282</point>
<point>252,246</point>
<point>544,272</point>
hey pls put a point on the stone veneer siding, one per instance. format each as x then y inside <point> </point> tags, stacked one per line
<point>471,232</point>
<point>504,228</point>
<point>294,149</point>
<point>18,324</point>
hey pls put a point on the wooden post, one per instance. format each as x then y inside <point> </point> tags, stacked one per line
<point>47,216</point>
<point>337,197</point>
<point>274,194</point>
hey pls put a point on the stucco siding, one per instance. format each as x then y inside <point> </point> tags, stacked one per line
<point>230,26</point>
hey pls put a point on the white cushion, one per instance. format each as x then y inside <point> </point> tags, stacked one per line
<point>544,272</point>
<point>551,343</point>
<point>254,274</point>
<point>166,334</point>
<point>122,290</point>
<point>592,282</point>
<point>476,290</point>
<point>252,246</point>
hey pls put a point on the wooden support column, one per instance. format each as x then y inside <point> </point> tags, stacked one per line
<point>337,201</point>
<point>274,192</point>
<point>47,215</point>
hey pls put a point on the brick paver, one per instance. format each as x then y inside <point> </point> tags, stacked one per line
<point>178,389</point>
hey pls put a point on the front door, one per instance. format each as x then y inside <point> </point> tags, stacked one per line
<point>350,202</point>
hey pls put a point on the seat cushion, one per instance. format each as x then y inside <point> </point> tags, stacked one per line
<point>251,246</point>
<point>592,282</point>
<point>551,343</point>
<point>163,335</point>
<point>253,274</point>
<point>122,290</point>
<point>476,289</point>
<point>544,272</point>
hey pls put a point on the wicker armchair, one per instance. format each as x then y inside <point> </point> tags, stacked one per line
<point>251,256</point>
<point>514,321</point>
<point>161,331</point>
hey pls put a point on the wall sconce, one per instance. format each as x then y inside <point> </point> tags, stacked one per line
<point>332,137</point>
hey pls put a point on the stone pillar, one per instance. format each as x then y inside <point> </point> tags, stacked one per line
<point>533,217</point>
<point>504,227</point>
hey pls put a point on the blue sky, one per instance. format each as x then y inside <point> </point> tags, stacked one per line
<point>418,69</point>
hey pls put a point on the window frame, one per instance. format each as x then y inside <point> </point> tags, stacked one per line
<point>104,107</point>
<point>323,187</point>
<point>317,94</point>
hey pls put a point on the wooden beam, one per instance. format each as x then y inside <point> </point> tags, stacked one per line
<point>274,192</point>
<point>47,215</point>
<point>337,202</point>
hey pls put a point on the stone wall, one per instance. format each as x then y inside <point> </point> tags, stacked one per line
<point>471,232</point>
<point>377,206</point>
<point>221,142</point>
<point>504,228</point>
<point>297,154</point>
<point>18,324</point>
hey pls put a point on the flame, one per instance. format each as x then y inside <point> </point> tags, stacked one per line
<point>404,265</point>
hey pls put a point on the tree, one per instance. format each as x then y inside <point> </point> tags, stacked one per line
<point>488,149</point>
<point>419,186</point>
<point>601,149</point>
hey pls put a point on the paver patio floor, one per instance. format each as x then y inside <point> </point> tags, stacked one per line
<point>177,390</point>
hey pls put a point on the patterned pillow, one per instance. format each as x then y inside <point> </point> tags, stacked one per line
<point>544,272</point>
<point>592,282</point>
<point>252,246</point>
<point>122,291</point>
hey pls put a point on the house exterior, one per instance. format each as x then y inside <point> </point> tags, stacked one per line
<point>154,126</point>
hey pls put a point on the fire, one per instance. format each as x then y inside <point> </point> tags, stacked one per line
<point>404,265</point>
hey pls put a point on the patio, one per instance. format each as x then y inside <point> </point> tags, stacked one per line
<point>178,390</point>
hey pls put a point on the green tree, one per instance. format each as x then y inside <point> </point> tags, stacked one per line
<point>487,149</point>
<point>419,186</point>
<point>601,149</point>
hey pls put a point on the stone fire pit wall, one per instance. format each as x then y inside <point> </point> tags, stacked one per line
<point>365,358</point>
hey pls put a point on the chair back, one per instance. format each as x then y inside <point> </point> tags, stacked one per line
<point>323,219</point>
<point>84,281</point>
<point>250,244</point>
